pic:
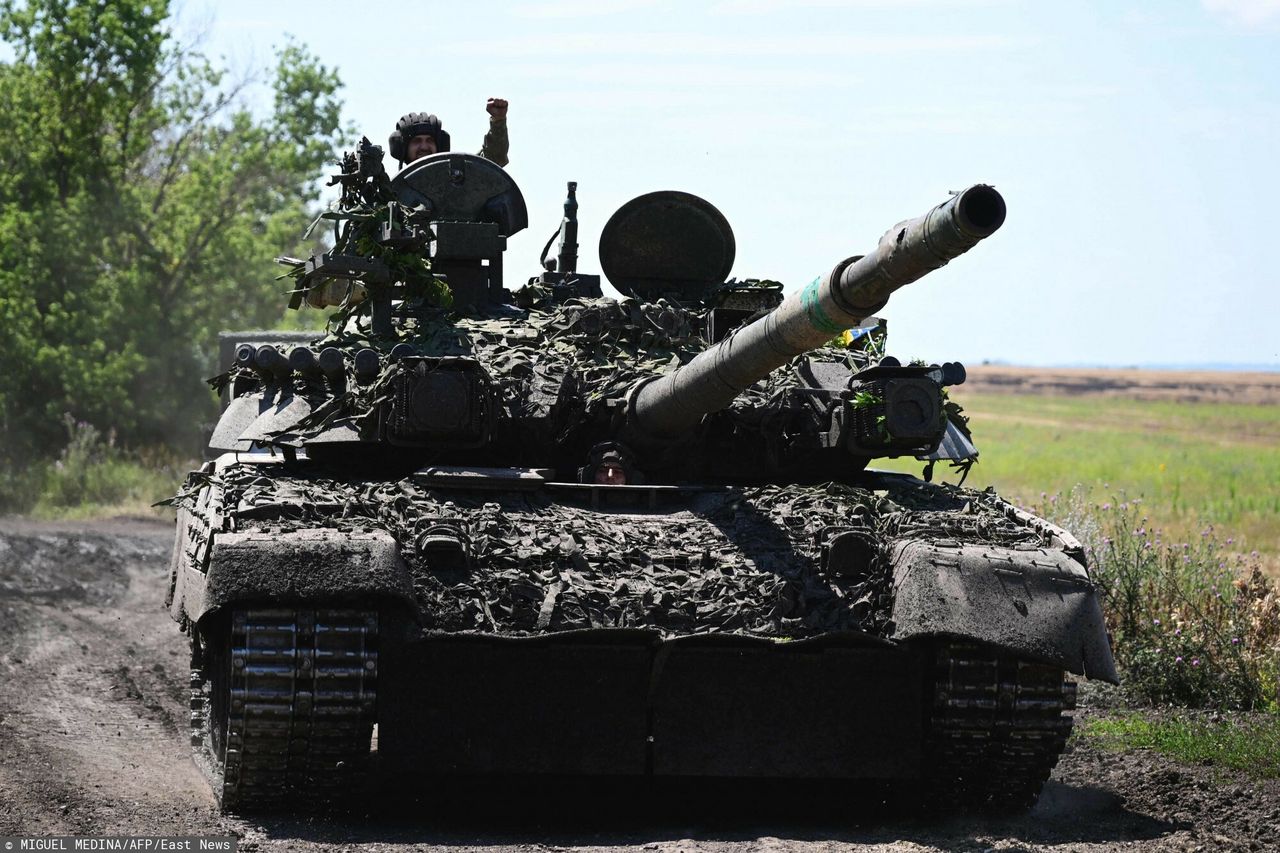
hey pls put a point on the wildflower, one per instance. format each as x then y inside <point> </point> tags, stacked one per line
<point>1178,659</point>
<point>1155,621</point>
<point>1124,506</point>
<point>1230,540</point>
<point>1195,661</point>
<point>1106,506</point>
<point>1186,560</point>
<point>1186,546</point>
<point>1235,641</point>
<point>1137,501</point>
<point>1177,632</point>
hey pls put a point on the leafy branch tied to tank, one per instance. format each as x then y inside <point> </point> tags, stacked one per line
<point>379,249</point>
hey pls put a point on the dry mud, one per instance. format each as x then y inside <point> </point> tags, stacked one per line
<point>93,741</point>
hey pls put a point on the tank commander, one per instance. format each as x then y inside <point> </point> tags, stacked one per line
<point>420,134</point>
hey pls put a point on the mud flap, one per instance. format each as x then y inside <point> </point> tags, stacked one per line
<point>1035,603</point>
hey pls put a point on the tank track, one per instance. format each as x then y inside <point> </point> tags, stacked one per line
<point>282,709</point>
<point>997,728</point>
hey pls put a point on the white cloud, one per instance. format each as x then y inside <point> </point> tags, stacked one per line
<point>1251,13</point>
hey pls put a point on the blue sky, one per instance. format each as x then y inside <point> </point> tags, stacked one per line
<point>1136,144</point>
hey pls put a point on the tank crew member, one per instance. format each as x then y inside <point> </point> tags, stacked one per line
<point>420,134</point>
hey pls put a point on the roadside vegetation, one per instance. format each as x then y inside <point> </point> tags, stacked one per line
<point>1194,465</point>
<point>1248,744</point>
<point>1178,508</point>
<point>92,476</point>
<point>142,201</point>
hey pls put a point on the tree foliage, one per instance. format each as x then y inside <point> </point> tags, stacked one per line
<point>141,203</point>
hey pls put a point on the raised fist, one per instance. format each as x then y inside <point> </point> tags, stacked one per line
<point>497,107</point>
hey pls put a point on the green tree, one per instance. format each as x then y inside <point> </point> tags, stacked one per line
<point>141,203</point>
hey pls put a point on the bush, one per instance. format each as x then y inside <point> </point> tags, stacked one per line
<point>91,474</point>
<point>1192,623</point>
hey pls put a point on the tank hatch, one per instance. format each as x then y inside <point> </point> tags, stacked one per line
<point>458,187</point>
<point>667,243</point>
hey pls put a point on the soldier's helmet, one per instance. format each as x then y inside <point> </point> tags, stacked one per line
<point>416,124</point>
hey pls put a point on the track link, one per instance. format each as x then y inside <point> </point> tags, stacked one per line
<point>283,708</point>
<point>997,727</point>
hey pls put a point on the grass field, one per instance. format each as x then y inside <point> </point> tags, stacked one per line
<point>1194,464</point>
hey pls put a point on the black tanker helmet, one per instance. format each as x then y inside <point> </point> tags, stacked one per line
<point>416,124</point>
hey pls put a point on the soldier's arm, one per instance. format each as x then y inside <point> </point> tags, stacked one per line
<point>496,144</point>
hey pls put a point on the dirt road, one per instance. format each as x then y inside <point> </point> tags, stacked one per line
<point>93,741</point>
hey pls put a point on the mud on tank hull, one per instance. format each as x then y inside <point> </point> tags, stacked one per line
<point>890,631</point>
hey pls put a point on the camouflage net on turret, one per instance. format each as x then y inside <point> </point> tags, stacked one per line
<point>591,351</point>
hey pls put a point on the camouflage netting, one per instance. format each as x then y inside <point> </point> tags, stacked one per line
<point>588,351</point>
<point>745,560</point>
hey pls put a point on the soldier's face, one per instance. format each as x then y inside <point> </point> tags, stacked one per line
<point>420,146</point>
<point>610,474</point>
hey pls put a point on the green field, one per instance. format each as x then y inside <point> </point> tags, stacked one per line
<point>1193,464</point>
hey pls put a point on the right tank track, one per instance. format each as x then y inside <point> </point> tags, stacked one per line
<point>283,704</point>
<point>996,729</point>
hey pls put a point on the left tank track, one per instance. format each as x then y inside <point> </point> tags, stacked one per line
<point>283,704</point>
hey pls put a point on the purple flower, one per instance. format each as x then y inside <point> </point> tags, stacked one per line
<point>1155,621</point>
<point>1230,540</point>
<point>1177,632</point>
<point>1195,661</point>
<point>1178,659</point>
<point>1106,506</point>
<point>1235,641</point>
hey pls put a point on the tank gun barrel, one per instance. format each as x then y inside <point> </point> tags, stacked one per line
<point>854,289</point>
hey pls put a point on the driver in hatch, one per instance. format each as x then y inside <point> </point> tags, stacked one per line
<point>420,134</point>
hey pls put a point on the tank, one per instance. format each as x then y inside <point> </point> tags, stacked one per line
<point>475,535</point>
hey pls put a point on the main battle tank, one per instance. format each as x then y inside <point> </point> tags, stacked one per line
<point>472,534</point>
